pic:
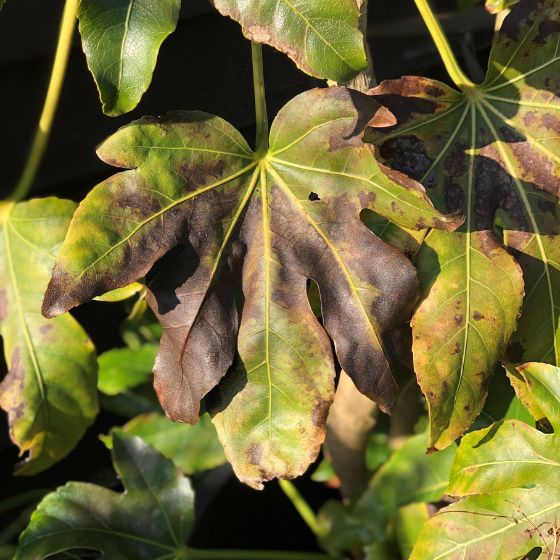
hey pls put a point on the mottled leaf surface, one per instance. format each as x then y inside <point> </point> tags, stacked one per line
<point>49,392</point>
<point>494,152</point>
<point>321,36</point>
<point>510,474</point>
<point>121,40</point>
<point>208,210</point>
<point>151,519</point>
<point>192,448</point>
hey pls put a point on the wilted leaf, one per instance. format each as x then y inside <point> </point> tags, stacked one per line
<point>199,201</point>
<point>192,448</point>
<point>120,294</point>
<point>49,392</point>
<point>151,519</point>
<point>123,368</point>
<point>408,476</point>
<point>321,36</point>
<point>121,40</point>
<point>493,151</point>
<point>538,387</point>
<point>511,475</point>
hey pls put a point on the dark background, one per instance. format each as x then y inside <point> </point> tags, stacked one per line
<point>204,65</point>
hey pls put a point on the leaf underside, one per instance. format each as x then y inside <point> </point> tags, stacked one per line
<point>321,36</point>
<point>49,392</point>
<point>121,41</point>
<point>209,213</point>
<point>492,151</point>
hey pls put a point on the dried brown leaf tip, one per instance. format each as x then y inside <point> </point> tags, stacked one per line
<point>492,151</point>
<point>200,213</point>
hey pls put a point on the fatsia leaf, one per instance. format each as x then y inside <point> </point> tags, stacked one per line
<point>321,36</point>
<point>151,519</point>
<point>511,476</point>
<point>123,368</point>
<point>121,40</point>
<point>538,386</point>
<point>49,392</point>
<point>199,201</point>
<point>408,524</point>
<point>191,448</point>
<point>492,150</point>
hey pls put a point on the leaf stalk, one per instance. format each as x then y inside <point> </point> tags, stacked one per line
<point>42,134</point>
<point>455,72</point>
<point>261,115</point>
<point>302,507</point>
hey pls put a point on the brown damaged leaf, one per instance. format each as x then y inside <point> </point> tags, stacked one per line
<point>493,151</point>
<point>199,212</point>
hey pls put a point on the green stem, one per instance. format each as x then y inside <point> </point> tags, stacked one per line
<point>44,127</point>
<point>451,65</point>
<point>198,554</point>
<point>303,508</point>
<point>260,100</point>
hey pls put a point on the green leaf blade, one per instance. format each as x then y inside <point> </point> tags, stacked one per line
<point>322,38</point>
<point>121,40</point>
<point>50,390</point>
<point>82,515</point>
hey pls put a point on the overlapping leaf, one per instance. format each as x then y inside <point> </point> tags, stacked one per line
<point>192,448</point>
<point>409,476</point>
<point>151,519</point>
<point>510,474</point>
<point>49,392</point>
<point>321,36</point>
<point>199,202</point>
<point>121,40</point>
<point>493,151</point>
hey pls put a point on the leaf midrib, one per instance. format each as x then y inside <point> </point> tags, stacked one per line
<point>21,315</point>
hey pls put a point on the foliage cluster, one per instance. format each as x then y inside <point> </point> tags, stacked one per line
<point>398,233</point>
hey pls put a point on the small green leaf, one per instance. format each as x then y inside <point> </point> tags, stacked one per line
<point>210,212</point>
<point>49,392</point>
<point>121,40</point>
<point>192,448</point>
<point>151,519</point>
<point>321,36</point>
<point>123,368</point>
<point>538,387</point>
<point>408,476</point>
<point>120,294</point>
<point>492,151</point>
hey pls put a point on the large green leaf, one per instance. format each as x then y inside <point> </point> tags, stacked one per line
<point>512,474</point>
<point>49,392</point>
<point>321,36</point>
<point>201,203</point>
<point>493,151</point>
<point>191,448</point>
<point>121,40</point>
<point>151,519</point>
